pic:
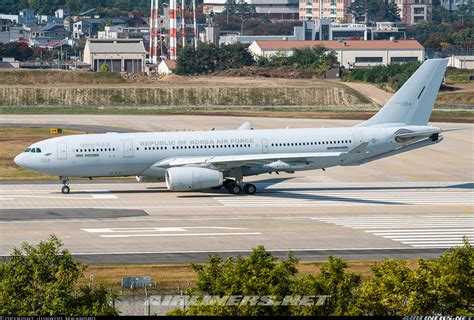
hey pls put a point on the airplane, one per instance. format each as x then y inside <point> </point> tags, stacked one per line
<point>189,161</point>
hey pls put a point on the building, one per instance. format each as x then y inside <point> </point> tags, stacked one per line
<point>166,66</point>
<point>413,11</point>
<point>123,32</point>
<point>461,62</point>
<point>276,9</point>
<point>43,34</point>
<point>122,55</point>
<point>334,10</point>
<point>14,34</point>
<point>350,53</point>
<point>89,27</point>
<point>324,29</point>
<point>61,12</point>
<point>388,30</point>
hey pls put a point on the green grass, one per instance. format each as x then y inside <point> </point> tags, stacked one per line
<point>454,75</point>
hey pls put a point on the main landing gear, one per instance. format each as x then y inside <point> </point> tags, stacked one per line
<point>236,187</point>
<point>65,189</point>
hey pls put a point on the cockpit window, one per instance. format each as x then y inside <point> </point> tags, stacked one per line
<point>27,149</point>
<point>38,150</point>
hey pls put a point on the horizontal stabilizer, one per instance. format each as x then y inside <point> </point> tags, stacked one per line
<point>426,133</point>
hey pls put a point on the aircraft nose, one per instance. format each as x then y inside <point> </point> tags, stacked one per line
<point>20,160</point>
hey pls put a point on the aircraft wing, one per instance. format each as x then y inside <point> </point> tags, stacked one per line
<point>277,160</point>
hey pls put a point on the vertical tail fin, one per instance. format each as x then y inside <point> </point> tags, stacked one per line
<point>413,103</point>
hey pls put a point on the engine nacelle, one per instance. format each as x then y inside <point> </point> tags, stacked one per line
<point>192,178</point>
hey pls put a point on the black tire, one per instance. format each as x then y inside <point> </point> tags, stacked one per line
<point>234,188</point>
<point>250,188</point>
<point>65,189</point>
<point>227,183</point>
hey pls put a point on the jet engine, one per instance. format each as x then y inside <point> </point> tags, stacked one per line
<point>192,178</point>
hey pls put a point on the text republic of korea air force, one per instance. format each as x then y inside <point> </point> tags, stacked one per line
<point>197,160</point>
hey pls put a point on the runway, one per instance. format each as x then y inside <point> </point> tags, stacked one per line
<point>143,223</point>
<point>414,204</point>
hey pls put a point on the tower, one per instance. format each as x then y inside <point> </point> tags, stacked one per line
<point>154,31</point>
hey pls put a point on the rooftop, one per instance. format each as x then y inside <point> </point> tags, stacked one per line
<point>116,46</point>
<point>336,44</point>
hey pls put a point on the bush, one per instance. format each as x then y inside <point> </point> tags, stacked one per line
<point>210,57</point>
<point>104,68</point>
<point>394,74</point>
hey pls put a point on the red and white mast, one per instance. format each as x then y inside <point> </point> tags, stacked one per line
<point>194,25</point>
<point>172,50</point>
<point>154,31</point>
<point>183,22</point>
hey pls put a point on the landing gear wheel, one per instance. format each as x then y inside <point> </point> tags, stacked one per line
<point>227,183</point>
<point>250,188</point>
<point>65,189</point>
<point>234,188</point>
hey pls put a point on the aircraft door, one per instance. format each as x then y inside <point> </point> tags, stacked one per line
<point>265,145</point>
<point>62,150</point>
<point>128,149</point>
<point>358,138</point>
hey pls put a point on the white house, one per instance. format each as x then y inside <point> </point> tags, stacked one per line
<point>354,53</point>
<point>166,66</point>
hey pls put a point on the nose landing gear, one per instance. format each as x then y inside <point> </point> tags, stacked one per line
<point>65,189</point>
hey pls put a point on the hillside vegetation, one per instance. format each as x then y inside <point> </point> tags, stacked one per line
<point>70,88</point>
<point>56,77</point>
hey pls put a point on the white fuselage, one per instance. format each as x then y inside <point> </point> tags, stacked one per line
<point>135,154</point>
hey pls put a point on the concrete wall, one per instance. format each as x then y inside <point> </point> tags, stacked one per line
<point>461,62</point>
<point>346,56</point>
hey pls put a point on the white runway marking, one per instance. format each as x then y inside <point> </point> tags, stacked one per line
<point>356,198</point>
<point>178,235</point>
<point>145,232</point>
<point>418,231</point>
<point>159,229</point>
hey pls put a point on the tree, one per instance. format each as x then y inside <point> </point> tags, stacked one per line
<point>391,12</point>
<point>317,58</point>
<point>366,10</point>
<point>442,286</point>
<point>18,50</point>
<point>335,282</point>
<point>44,280</point>
<point>210,57</point>
<point>261,274</point>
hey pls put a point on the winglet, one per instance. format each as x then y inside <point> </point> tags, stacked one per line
<point>245,126</point>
